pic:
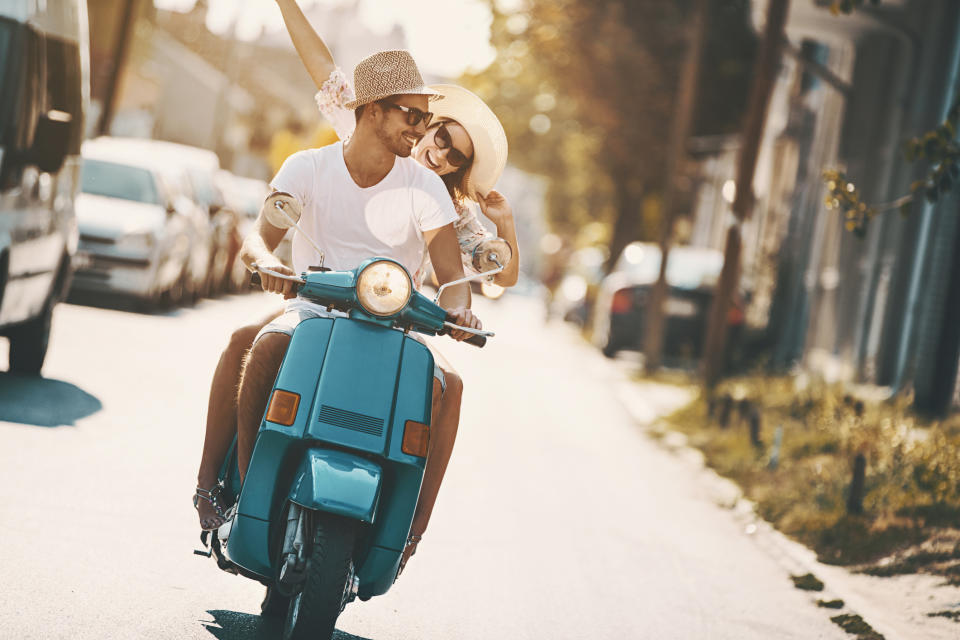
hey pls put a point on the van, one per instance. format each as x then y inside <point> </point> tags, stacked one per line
<point>43,95</point>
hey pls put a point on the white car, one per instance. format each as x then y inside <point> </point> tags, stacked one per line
<point>133,240</point>
<point>172,162</point>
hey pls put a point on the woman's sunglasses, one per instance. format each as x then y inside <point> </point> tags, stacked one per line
<point>414,115</point>
<point>455,157</point>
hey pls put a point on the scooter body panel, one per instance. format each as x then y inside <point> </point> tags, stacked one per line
<point>359,384</point>
<point>337,482</point>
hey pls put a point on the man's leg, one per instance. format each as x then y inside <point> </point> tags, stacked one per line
<point>443,434</point>
<point>259,373</point>
<point>221,423</point>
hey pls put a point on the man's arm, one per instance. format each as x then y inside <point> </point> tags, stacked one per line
<point>445,256</point>
<point>257,249</point>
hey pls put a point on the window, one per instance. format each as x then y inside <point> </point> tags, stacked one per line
<point>121,181</point>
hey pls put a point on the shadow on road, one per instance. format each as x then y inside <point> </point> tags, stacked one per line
<point>234,625</point>
<point>121,303</point>
<point>43,402</point>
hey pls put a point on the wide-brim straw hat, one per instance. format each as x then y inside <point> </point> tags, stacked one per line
<point>387,73</point>
<point>485,131</point>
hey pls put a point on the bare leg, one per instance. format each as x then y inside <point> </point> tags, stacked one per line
<point>221,423</point>
<point>259,373</point>
<point>443,434</point>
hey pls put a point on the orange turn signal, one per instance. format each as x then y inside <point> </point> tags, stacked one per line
<point>283,407</point>
<point>416,439</point>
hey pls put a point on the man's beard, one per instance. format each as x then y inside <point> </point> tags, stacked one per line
<point>396,145</point>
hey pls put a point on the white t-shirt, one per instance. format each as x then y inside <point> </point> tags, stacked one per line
<point>351,223</point>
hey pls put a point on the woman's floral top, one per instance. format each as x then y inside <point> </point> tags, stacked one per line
<point>336,92</point>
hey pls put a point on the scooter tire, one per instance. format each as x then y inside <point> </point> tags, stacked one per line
<point>274,604</point>
<point>314,610</point>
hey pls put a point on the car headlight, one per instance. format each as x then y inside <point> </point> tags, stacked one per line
<point>383,288</point>
<point>138,241</point>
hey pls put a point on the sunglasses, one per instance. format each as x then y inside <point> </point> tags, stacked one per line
<point>414,115</point>
<point>455,157</point>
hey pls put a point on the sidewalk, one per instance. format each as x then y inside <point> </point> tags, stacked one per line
<point>899,607</point>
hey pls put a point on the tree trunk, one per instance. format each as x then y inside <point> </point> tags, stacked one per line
<point>680,130</point>
<point>122,47</point>
<point>765,73</point>
<point>714,348</point>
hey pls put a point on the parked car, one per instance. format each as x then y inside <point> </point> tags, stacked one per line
<point>201,168</point>
<point>692,274</point>
<point>42,87</point>
<point>574,298</point>
<point>133,239</point>
<point>173,164</point>
<point>244,197</point>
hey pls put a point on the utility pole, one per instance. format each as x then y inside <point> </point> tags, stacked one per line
<point>676,153</point>
<point>764,75</point>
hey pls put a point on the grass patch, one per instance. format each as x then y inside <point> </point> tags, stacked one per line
<point>797,465</point>
<point>830,604</point>
<point>855,625</point>
<point>950,615</point>
<point>807,582</point>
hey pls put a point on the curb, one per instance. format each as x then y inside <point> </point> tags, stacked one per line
<point>794,557</point>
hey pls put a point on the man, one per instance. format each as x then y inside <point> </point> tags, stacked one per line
<point>359,199</point>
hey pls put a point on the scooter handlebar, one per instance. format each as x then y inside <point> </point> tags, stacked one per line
<point>479,339</point>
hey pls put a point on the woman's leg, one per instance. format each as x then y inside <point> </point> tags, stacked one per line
<point>221,424</point>
<point>443,434</point>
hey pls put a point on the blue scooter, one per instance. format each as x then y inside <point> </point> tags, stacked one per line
<point>326,507</point>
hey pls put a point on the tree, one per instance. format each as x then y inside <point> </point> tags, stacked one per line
<point>584,90</point>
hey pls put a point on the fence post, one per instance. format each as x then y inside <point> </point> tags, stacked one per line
<point>855,499</point>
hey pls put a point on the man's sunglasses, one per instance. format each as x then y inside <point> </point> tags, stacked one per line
<point>455,157</point>
<point>414,115</point>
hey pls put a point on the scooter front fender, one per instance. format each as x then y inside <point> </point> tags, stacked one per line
<point>338,482</point>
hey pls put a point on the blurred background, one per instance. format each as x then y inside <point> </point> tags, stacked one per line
<point>732,192</point>
<point>629,122</point>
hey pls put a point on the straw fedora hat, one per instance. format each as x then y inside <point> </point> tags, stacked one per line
<point>387,73</point>
<point>485,131</point>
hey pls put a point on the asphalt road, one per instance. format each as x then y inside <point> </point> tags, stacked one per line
<point>558,519</point>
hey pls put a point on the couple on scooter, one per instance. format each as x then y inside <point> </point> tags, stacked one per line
<point>362,197</point>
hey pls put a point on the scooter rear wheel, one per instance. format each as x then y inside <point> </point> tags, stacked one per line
<point>314,610</point>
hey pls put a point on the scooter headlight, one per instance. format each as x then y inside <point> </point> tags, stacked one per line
<point>383,288</point>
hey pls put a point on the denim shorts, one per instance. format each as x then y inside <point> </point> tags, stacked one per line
<point>299,310</point>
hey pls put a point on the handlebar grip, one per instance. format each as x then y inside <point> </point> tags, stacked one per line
<point>477,341</point>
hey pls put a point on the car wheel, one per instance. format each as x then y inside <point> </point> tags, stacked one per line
<point>28,344</point>
<point>609,350</point>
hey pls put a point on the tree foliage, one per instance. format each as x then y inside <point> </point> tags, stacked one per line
<point>938,147</point>
<point>584,91</point>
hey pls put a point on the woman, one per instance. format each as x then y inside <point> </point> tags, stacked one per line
<point>466,147</point>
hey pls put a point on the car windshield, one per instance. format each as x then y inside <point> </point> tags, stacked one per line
<point>119,181</point>
<point>688,268</point>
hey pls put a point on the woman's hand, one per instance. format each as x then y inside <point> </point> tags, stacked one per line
<point>496,207</point>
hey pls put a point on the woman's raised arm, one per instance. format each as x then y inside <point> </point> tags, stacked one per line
<point>311,48</point>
